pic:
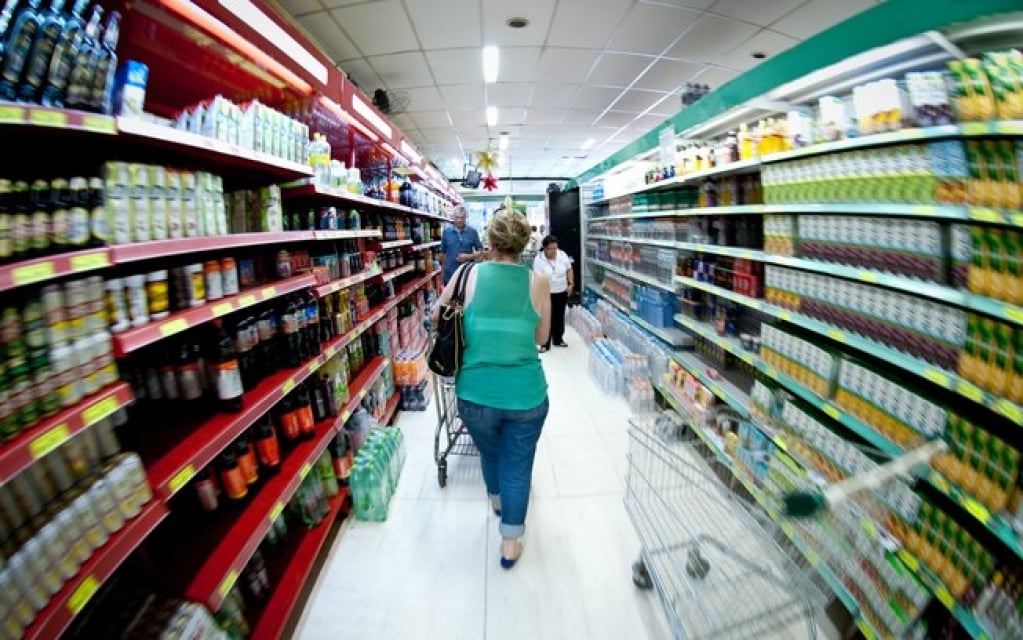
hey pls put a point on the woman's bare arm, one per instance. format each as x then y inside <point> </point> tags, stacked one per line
<point>540,293</point>
<point>449,290</point>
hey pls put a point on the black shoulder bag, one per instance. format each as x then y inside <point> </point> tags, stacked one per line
<point>449,345</point>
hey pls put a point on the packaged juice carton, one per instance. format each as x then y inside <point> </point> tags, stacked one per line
<point>117,181</point>
<point>977,275</point>
<point>1013,282</point>
<point>1010,184</point>
<point>1001,358</point>
<point>157,203</point>
<point>138,197</point>
<point>1004,81</point>
<point>172,203</point>
<point>975,173</point>
<point>189,204</point>
<point>993,174</point>
<point>996,263</point>
<point>961,252</point>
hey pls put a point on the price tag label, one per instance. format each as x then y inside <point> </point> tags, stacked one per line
<point>49,441</point>
<point>771,372</point>
<point>82,594</point>
<point>306,468</point>
<point>937,377</point>
<point>940,483</point>
<point>977,510</point>
<point>269,292</point>
<point>11,114</point>
<point>344,416</point>
<point>276,511</point>
<point>46,118</point>
<point>1016,219</point>
<point>812,558</point>
<point>288,385</point>
<point>945,597</point>
<point>1013,312</point>
<point>229,580</point>
<point>99,124</point>
<point>865,629</point>
<point>1009,410</point>
<point>832,412</point>
<point>246,301</point>
<point>33,273</point>
<point>867,276</point>
<point>718,391</point>
<point>88,261</point>
<point>1010,127</point>
<point>100,410</point>
<point>181,478</point>
<point>784,315</point>
<point>222,309</point>
<point>969,390</point>
<point>869,527</point>
<point>909,560</point>
<point>984,214</point>
<point>974,128</point>
<point>836,335</point>
<point>923,210</point>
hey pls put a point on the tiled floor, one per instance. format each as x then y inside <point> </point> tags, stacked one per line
<point>431,570</point>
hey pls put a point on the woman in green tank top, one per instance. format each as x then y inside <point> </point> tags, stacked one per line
<point>501,388</point>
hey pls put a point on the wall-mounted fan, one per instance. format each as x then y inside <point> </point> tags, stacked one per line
<point>391,102</point>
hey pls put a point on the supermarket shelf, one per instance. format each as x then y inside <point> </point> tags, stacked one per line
<point>209,149</point>
<point>125,253</point>
<point>25,272</point>
<point>934,584</point>
<point>732,395</point>
<point>930,211</point>
<point>961,130</point>
<point>350,199</point>
<point>945,379</point>
<point>653,282</point>
<point>394,273</point>
<point>743,166</point>
<point>674,337</point>
<point>337,285</point>
<point>394,244</point>
<point>994,523</point>
<point>233,551</point>
<point>31,116</point>
<point>390,409</point>
<point>298,571</point>
<point>832,580</point>
<point>669,244</point>
<point>132,339</point>
<point>736,210</point>
<point>35,442</point>
<point>53,620</point>
<point>425,245</point>
<point>345,234</point>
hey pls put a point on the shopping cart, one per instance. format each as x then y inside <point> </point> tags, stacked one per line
<point>714,558</point>
<point>451,437</point>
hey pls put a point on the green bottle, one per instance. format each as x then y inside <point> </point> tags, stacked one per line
<point>64,55</point>
<point>17,47</point>
<point>101,99</point>
<point>51,24</point>
<point>78,87</point>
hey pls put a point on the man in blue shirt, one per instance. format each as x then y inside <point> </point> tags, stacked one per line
<point>459,243</point>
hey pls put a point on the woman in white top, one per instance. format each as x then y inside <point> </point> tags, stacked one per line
<point>557,266</point>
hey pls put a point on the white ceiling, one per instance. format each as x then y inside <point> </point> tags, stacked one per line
<point>603,69</point>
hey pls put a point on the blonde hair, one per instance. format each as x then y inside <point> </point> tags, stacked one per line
<point>508,232</point>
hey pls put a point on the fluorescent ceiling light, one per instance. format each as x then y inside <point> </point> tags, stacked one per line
<point>366,111</point>
<point>502,142</point>
<point>491,62</point>
<point>270,30</point>
<point>588,143</point>
<point>410,152</point>
<point>491,116</point>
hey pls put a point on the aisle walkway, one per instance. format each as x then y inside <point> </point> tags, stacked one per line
<point>431,571</point>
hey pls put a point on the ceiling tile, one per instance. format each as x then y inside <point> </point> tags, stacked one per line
<point>403,122</point>
<point>510,117</point>
<point>669,106</point>
<point>544,116</point>
<point>298,7</point>
<point>454,66</point>
<point>666,75</point>
<point>689,4</point>
<point>618,69</point>
<point>463,96</point>
<point>762,12</point>
<point>374,36</point>
<point>599,98</point>
<point>637,100</point>
<point>565,65</point>
<point>427,120</point>
<point>518,64</point>
<point>615,119</point>
<point>586,23</point>
<point>333,4</point>
<point>497,12</point>
<point>817,15</point>
<point>509,94</point>
<point>710,37</point>
<point>424,98</point>
<point>581,116</point>
<point>440,24</point>
<point>328,36</point>
<point>362,74</point>
<point>402,70</point>
<point>553,95</point>
<point>765,41</point>
<point>650,28</point>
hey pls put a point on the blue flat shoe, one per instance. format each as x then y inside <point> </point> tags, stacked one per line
<point>497,512</point>
<point>508,563</point>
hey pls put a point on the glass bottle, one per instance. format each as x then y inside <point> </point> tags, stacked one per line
<point>227,376</point>
<point>17,47</point>
<point>51,25</point>
<point>267,447</point>
<point>101,98</point>
<point>79,82</point>
<point>64,54</point>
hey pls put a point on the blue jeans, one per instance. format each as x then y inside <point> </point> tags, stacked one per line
<point>507,442</point>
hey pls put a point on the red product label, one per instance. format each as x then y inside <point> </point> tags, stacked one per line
<point>234,483</point>
<point>305,419</point>
<point>343,467</point>
<point>289,425</point>
<point>247,463</point>
<point>269,451</point>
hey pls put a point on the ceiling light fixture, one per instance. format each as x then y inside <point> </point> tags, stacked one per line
<point>588,143</point>
<point>503,141</point>
<point>759,55</point>
<point>491,116</point>
<point>517,23</point>
<point>491,63</point>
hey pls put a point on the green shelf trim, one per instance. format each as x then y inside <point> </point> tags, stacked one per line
<point>738,209</point>
<point>832,580</point>
<point>672,336</point>
<point>935,211</point>
<point>880,25</point>
<point>740,166</point>
<point>945,379</point>
<point>994,523</point>
<point>653,282</point>
<point>669,244</point>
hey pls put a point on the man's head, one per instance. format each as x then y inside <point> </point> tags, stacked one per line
<point>458,217</point>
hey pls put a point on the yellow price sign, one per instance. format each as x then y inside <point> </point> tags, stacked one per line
<point>46,118</point>
<point>945,597</point>
<point>868,276</point>
<point>977,510</point>
<point>1016,219</point>
<point>969,390</point>
<point>222,309</point>
<point>812,558</point>
<point>246,301</point>
<point>269,292</point>
<point>865,629</point>
<point>49,441</point>
<point>1009,410</point>
<point>88,261</point>
<point>771,372</point>
<point>344,416</point>
<point>937,377</point>
<point>784,315</point>
<point>33,273</point>
<point>12,114</point>
<point>173,326</point>
<point>974,128</point>
<point>304,471</point>
<point>1009,127</point>
<point>832,412</point>
<point>940,483</point>
<point>1013,312</point>
<point>100,410</point>
<point>276,511</point>
<point>836,335</point>
<point>985,214</point>
<point>909,560</point>
<point>99,124</point>
<point>869,527</point>
<point>229,580</point>
<point>288,385</point>
<point>82,594</point>
<point>181,478</point>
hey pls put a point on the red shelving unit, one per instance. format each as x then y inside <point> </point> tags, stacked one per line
<point>394,244</point>
<point>346,234</point>
<point>349,199</point>
<point>426,245</point>
<point>19,274</point>
<point>132,339</point>
<point>210,150</point>
<point>37,441</point>
<point>290,574</point>
<point>69,601</point>
<point>344,283</point>
<point>225,562</point>
<point>12,114</point>
<point>125,253</point>
<point>394,273</point>
<point>390,409</point>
